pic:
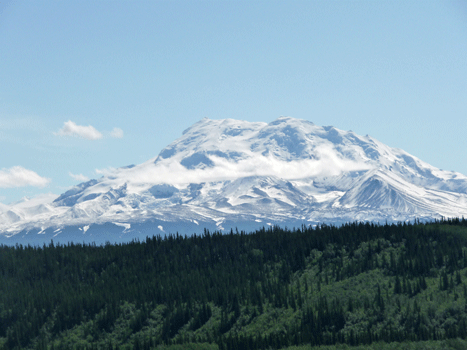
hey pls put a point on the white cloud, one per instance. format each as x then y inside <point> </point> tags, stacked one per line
<point>79,177</point>
<point>105,171</point>
<point>117,133</point>
<point>86,132</point>
<point>167,171</point>
<point>18,176</point>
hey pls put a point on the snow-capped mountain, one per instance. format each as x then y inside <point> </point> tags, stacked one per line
<point>230,173</point>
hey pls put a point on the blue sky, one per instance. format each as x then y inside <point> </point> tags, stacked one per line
<point>91,85</point>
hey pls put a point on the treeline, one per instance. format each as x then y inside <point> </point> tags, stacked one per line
<point>355,284</point>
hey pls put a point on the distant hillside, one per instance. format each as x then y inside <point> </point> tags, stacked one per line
<point>358,284</point>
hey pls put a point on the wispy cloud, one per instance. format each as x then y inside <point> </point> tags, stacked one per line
<point>105,171</point>
<point>328,165</point>
<point>72,129</point>
<point>117,133</point>
<point>18,176</point>
<point>79,177</point>
<point>168,171</point>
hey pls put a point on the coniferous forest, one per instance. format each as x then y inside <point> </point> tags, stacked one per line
<point>363,285</point>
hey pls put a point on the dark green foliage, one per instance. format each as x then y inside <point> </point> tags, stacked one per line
<point>360,283</point>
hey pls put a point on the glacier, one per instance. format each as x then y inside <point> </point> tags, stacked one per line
<point>227,174</point>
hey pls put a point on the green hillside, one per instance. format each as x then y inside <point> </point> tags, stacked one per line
<point>358,286</point>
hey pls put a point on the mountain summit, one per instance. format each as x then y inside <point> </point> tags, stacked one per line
<point>229,173</point>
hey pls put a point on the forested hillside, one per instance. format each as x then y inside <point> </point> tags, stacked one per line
<point>358,284</point>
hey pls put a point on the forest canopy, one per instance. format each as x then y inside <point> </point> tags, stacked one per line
<point>357,284</point>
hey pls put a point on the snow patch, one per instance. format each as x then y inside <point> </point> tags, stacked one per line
<point>124,225</point>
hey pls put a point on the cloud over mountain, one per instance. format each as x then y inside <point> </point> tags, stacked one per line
<point>18,176</point>
<point>79,177</point>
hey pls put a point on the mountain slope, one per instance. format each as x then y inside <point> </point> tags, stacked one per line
<point>227,173</point>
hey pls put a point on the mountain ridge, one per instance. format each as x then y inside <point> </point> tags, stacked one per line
<point>251,173</point>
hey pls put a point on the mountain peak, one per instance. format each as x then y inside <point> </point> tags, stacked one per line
<point>287,119</point>
<point>236,172</point>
